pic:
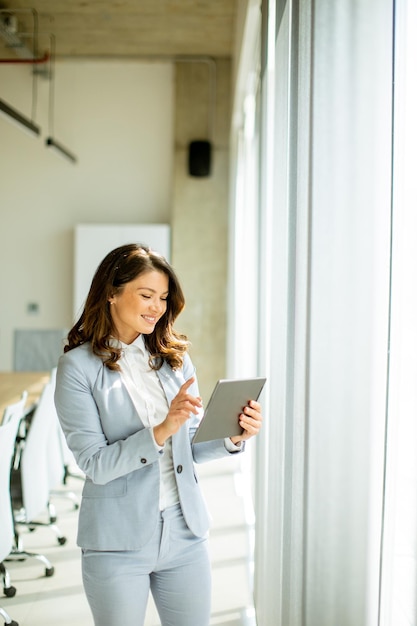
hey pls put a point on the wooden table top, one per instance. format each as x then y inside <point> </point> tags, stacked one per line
<point>12,385</point>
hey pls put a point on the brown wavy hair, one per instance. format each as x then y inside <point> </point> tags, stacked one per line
<point>95,324</point>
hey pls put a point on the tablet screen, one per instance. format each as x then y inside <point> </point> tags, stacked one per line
<point>221,416</point>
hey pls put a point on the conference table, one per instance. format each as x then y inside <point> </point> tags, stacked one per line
<point>12,385</point>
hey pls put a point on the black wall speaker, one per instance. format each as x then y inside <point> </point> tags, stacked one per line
<point>199,158</point>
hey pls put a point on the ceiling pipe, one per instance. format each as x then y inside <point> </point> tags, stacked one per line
<point>43,59</point>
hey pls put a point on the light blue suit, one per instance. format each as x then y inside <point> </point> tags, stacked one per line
<point>120,503</point>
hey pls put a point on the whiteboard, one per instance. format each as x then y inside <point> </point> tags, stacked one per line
<point>94,241</point>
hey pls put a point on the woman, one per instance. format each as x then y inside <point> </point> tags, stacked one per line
<point>128,401</point>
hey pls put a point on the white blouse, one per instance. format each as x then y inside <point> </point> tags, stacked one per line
<point>150,401</point>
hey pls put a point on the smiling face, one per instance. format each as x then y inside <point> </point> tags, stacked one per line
<point>139,305</point>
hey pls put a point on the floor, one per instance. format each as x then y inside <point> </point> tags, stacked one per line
<point>59,599</point>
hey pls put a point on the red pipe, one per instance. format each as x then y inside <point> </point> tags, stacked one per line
<point>43,59</point>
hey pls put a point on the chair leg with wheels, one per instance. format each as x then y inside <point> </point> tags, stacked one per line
<point>8,589</point>
<point>7,619</point>
<point>18,553</point>
<point>32,525</point>
<point>68,495</point>
<point>23,555</point>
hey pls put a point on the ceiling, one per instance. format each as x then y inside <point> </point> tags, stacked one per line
<point>126,28</point>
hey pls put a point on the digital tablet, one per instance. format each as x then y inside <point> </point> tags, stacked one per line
<point>221,416</point>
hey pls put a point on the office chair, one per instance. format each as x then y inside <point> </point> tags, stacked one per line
<point>9,429</point>
<point>16,407</point>
<point>11,437</point>
<point>8,433</point>
<point>10,410</point>
<point>40,469</point>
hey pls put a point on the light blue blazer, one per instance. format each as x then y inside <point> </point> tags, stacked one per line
<point>120,501</point>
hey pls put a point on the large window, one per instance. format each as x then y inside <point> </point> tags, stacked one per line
<point>324,273</point>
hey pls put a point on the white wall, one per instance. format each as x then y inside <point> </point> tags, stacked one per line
<point>118,120</point>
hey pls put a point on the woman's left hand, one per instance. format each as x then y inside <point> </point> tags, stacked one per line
<point>250,420</point>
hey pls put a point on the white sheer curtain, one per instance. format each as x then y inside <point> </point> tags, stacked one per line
<point>325,258</point>
<point>399,556</point>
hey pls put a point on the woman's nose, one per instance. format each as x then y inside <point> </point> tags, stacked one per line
<point>156,305</point>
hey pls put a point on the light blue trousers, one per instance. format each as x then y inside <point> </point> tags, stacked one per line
<point>174,566</point>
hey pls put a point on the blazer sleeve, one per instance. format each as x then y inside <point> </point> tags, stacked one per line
<point>101,459</point>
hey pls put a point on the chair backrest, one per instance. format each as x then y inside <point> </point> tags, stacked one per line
<point>8,432</point>
<point>16,407</point>
<point>41,463</point>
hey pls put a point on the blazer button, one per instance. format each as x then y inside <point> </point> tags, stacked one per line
<point>143,461</point>
<point>179,469</point>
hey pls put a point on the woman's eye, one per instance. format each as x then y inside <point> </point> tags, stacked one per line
<point>145,296</point>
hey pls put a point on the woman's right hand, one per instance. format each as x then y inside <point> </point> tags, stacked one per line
<point>179,412</point>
